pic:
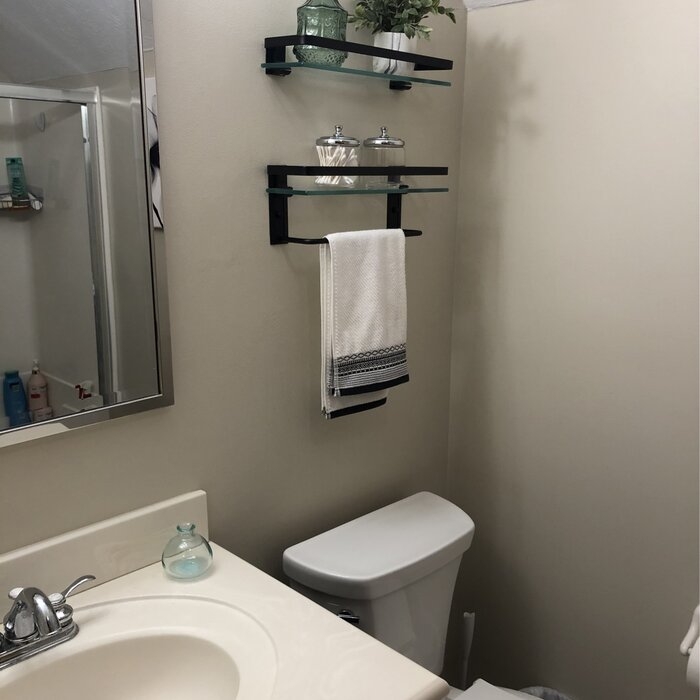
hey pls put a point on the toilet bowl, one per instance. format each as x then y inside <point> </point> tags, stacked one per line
<point>392,572</point>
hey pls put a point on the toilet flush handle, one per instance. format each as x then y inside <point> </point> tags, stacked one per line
<point>349,616</point>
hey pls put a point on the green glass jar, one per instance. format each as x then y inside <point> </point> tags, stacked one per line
<point>324,18</point>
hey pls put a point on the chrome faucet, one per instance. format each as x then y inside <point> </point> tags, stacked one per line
<point>36,622</point>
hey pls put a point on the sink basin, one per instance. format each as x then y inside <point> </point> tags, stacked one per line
<point>147,648</point>
<point>234,633</point>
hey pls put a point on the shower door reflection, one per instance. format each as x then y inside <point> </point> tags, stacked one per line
<point>67,285</point>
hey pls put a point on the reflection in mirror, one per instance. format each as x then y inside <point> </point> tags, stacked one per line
<point>78,249</point>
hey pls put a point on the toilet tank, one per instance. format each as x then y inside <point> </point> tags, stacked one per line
<point>394,568</point>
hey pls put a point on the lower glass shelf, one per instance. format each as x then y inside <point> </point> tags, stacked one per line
<point>312,192</point>
<point>280,191</point>
<point>30,201</point>
<point>284,69</point>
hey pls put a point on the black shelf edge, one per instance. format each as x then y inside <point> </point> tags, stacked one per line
<point>275,51</point>
<point>310,170</point>
<point>333,191</point>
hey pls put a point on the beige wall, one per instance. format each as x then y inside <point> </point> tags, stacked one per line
<point>575,374</point>
<point>246,424</point>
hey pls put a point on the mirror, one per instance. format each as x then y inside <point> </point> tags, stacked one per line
<point>81,269</point>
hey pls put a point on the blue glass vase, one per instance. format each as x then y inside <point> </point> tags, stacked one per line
<point>15,399</point>
<point>188,554</point>
<point>324,18</point>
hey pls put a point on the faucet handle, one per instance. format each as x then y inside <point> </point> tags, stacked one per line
<point>58,599</point>
<point>12,595</point>
<point>64,612</point>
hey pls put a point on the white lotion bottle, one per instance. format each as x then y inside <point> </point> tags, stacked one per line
<point>38,392</point>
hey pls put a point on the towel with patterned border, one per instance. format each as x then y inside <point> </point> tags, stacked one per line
<point>363,319</point>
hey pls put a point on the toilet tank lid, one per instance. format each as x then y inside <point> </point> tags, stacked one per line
<point>384,550</point>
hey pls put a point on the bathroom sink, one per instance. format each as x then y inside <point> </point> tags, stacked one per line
<point>146,648</point>
<point>234,632</point>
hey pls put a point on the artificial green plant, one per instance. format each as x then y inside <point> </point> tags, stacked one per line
<point>403,16</point>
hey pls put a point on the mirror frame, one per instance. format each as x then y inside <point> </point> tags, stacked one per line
<point>165,397</point>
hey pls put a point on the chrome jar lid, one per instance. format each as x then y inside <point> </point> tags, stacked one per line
<point>384,141</point>
<point>338,139</point>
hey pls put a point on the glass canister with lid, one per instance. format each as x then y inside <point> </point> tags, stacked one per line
<point>341,151</point>
<point>383,151</point>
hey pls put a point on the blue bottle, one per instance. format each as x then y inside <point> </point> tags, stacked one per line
<point>15,399</point>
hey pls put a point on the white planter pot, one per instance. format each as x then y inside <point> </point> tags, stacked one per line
<point>396,41</point>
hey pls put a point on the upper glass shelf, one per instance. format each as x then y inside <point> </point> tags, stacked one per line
<point>276,60</point>
<point>407,79</point>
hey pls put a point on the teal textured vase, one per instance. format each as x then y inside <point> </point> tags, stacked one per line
<point>324,18</point>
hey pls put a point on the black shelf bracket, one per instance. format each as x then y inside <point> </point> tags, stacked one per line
<point>276,52</point>
<point>278,202</point>
<point>279,210</point>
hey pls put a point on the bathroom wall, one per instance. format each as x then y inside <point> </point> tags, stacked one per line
<point>574,417</point>
<point>246,424</point>
<point>574,421</point>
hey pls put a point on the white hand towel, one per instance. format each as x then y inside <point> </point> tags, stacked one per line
<point>363,319</point>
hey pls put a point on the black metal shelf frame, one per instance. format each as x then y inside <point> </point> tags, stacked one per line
<point>278,202</point>
<point>276,52</point>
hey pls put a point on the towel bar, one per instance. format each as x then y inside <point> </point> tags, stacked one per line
<point>408,232</point>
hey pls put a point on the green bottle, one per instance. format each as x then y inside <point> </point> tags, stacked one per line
<point>324,18</point>
<point>17,182</point>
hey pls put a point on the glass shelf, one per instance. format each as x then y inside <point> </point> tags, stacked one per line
<point>409,79</point>
<point>276,60</point>
<point>35,202</point>
<point>280,192</point>
<point>311,192</point>
<point>35,206</point>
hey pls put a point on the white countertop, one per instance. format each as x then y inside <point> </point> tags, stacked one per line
<point>145,636</point>
<point>319,657</point>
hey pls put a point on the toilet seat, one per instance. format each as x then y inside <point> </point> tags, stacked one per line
<point>481,690</point>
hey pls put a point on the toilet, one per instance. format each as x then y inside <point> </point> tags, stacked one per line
<point>392,572</point>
